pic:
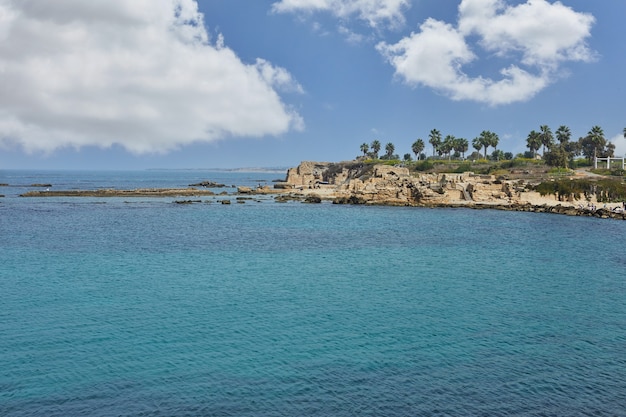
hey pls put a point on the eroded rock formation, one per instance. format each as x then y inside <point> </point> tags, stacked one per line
<point>354,183</point>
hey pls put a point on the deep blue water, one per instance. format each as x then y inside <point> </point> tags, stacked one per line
<point>143,307</point>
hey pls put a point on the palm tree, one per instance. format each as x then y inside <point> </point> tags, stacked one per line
<point>596,137</point>
<point>417,148</point>
<point>533,142</point>
<point>461,145</point>
<point>546,137</point>
<point>375,146</point>
<point>365,148</point>
<point>477,144</point>
<point>389,148</point>
<point>434,138</point>
<point>448,145</point>
<point>563,134</point>
<point>493,139</point>
<point>486,138</point>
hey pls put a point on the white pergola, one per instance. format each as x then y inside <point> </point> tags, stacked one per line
<point>608,162</point>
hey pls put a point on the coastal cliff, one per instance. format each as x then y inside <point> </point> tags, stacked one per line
<point>357,183</point>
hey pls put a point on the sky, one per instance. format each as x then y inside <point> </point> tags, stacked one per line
<point>186,84</point>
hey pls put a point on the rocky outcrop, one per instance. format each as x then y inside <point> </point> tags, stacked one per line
<point>307,174</point>
<point>313,199</point>
<point>396,185</point>
<point>388,185</point>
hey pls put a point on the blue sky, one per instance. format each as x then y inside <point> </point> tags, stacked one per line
<point>111,84</point>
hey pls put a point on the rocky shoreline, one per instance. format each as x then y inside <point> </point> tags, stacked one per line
<point>356,183</point>
<point>602,213</point>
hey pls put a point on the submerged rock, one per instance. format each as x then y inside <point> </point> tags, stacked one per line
<point>208,184</point>
<point>313,198</point>
<point>283,198</point>
<point>187,201</point>
<point>349,200</point>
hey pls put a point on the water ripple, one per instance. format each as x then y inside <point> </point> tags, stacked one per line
<point>299,310</point>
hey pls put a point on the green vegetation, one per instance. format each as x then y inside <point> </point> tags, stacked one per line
<point>417,147</point>
<point>375,146</point>
<point>618,172</point>
<point>558,151</point>
<point>606,190</point>
<point>464,167</point>
<point>423,166</point>
<point>558,171</point>
<point>434,138</point>
<point>485,140</point>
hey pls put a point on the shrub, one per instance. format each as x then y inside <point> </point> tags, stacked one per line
<point>606,191</point>
<point>424,166</point>
<point>500,173</point>
<point>580,162</point>
<point>391,162</point>
<point>559,171</point>
<point>464,167</point>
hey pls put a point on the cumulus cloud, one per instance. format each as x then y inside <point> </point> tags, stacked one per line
<point>620,145</point>
<point>143,74</point>
<point>375,13</point>
<point>535,37</point>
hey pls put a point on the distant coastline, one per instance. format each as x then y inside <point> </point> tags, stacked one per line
<point>269,170</point>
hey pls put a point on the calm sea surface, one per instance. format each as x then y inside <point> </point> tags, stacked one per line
<point>143,307</point>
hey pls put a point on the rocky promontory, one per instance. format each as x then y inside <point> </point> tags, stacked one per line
<point>358,183</point>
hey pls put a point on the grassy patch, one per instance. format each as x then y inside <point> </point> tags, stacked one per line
<point>605,190</point>
<point>560,172</point>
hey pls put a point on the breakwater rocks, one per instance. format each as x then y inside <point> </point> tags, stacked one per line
<point>139,192</point>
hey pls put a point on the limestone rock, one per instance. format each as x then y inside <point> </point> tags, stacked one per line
<point>313,198</point>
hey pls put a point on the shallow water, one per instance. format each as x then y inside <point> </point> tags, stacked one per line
<point>145,307</point>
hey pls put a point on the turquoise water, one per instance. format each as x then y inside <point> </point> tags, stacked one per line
<point>142,307</point>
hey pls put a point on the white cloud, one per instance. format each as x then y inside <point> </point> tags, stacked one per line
<point>544,33</point>
<point>620,145</point>
<point>141,74</point>
<point>277,77</point>
<point>374,12</point>
<point>350,36</point>
<point>536,37</point>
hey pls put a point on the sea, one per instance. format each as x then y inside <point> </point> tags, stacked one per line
<point>145,307</point>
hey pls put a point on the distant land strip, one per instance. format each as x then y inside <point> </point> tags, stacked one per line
<point>139,192</point>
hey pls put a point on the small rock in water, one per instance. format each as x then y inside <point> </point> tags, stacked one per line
<point>313,199</point>
<point>208,184</point>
